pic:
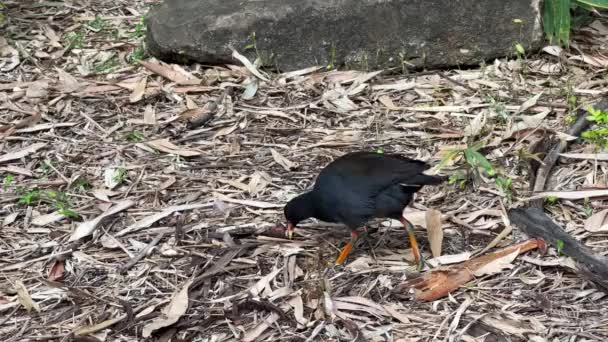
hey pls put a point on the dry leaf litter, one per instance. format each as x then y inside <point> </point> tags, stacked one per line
<point>119,222</point>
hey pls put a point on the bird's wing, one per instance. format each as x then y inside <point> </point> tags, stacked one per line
<point>371,172</point>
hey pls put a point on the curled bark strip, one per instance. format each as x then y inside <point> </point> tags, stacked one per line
<point>440,282</point>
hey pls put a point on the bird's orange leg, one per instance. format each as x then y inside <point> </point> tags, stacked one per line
<point>413,242</point>
<point>354,236</point>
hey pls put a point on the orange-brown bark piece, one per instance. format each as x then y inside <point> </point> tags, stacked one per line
<point>440,282</point>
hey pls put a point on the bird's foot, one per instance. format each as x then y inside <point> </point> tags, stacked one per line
<point>420,263</point>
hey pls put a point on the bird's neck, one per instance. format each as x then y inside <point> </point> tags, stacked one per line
<point>307,204</point>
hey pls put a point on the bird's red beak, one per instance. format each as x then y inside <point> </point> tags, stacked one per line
<point>290,229</point>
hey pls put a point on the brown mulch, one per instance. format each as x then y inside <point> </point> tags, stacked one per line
<point>187,250</point>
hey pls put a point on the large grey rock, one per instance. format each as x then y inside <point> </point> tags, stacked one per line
<point>364,34</point>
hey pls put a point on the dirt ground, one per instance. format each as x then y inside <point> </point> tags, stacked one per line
<point>120,221</point>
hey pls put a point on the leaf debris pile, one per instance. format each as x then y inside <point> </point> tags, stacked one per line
<point>121,221</point>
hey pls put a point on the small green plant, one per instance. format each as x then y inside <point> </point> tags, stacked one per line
<point>120,175</point>
<point>135,136</point>
<point>551,200</point>
<point>599,134</point>
<point>380,151</point>
<point>45,167</point>
<point>332,58</point>
<point>8,180</point>
<point>475,164</point>
<point>559,245</point>
<point>57,199</point>
<point>505,184</point>
<point>98,24</point>
<point>81,185</point>
<point>587,209</point>
<point>74,40</point>
<point>254,46</point>
<point>140,29</point>
<point>106,65</point>
<point>499,107</point>
<point>519,50</point>
<point>2,18</point>
<point>137,54</point>
<point>28,197</point>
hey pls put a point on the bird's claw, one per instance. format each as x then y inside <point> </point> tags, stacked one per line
<point>420,263</point>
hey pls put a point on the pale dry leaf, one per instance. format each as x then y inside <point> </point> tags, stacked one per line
<point>37,90</point>
<point>450,259</point>
<point>91,329</point>
<point>403,318</point>
<point>264,282</point>
<point>54,39</point>
<point>24,297</point>
<point>589,156</point>
<point>251,89</point>
<point>87,228</point>
<point>18,170</point>
<point>9,56</point>
<point>176,308</point>
<point>169,73</point>
<point>497,265</point>
<point>10,218</point>
<point>554,50</point>
<point>164,145</point>
<point>22,153</point>
<point>252,69</point>
<point>529,103</point>
<point>111,177</point>
<point>225,131</point>
<point>396,86</point>
<point>258,182</point>
<point>597,222</point>
<point>104,194</point>
<point>435,231</point>
<point>252,334</point>
<point>150,115</point>
<point>249,203</point>
<point>281,160</point>
<point>68,82</point>
<point>43,220</point>
<point>528,121</point>
<point>476,125</point>
<point>571,195</point>
<point>298,309</point>
<point>387,102</point>
<point>139,91</point>
<point>149,220</point>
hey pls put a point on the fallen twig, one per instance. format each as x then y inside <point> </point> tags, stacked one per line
<point>534,222</point>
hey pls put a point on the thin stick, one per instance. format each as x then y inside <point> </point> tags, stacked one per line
<point>143,253</point>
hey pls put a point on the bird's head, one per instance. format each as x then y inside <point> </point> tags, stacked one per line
<point>298,209</point>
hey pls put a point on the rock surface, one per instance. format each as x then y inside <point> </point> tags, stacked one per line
<point>361,34</point>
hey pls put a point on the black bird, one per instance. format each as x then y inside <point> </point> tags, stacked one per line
<point>358,187</point>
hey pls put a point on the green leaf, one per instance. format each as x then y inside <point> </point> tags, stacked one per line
<point>556,21</point>
<point>563,24</point>
<point>548,19</point>
<point>476,159</point>
<point>520,49</point>
<point>592,3</point>
<point>559,244</point>
<point>451,155</point>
